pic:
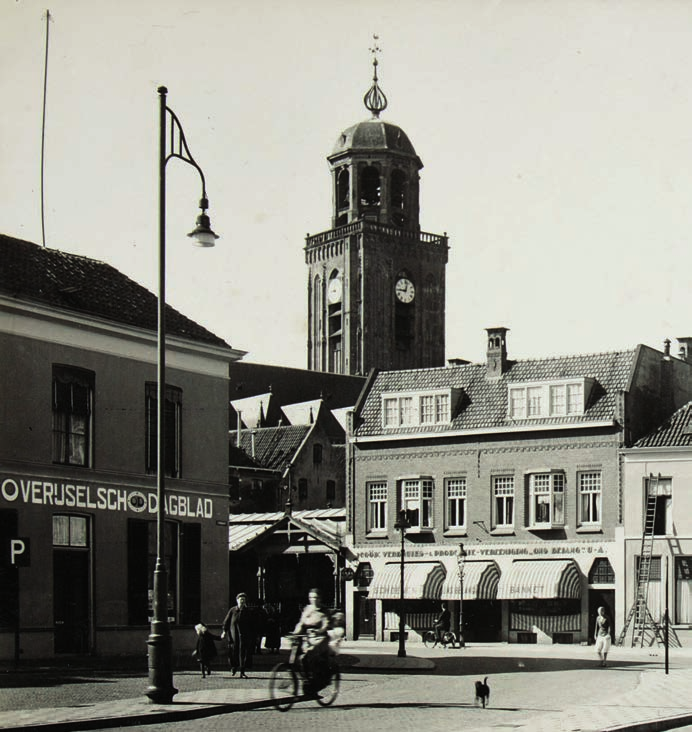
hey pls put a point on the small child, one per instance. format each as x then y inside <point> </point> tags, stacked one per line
<point>205,650</point>
<point>336,632</point>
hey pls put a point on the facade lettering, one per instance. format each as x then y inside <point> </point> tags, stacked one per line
<point>84,496</point>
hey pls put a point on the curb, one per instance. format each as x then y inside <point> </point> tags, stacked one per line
<point>654,725</point>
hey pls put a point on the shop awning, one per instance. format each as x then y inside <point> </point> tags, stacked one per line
<point>540,579</point>
<point>480,582</point>
<point>422,580</point>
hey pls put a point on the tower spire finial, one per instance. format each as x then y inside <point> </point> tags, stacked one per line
<point>375,100</point>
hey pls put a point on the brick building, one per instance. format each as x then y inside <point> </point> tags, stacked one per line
<point>518,461</point>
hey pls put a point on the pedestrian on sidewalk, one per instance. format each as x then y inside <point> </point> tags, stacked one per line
<point>205,649</point>
<point>239,629</point>
<point>602,635</point>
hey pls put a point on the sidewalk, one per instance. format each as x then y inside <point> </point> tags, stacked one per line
<point>660,701</point>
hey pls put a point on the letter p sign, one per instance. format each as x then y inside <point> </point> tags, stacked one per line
<point>20,554</point>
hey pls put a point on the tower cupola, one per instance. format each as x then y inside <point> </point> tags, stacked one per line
<point>375,168</point>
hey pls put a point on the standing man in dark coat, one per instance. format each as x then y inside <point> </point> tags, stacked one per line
<point>239,628</point>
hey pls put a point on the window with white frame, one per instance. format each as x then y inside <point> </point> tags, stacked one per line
<point>417,499</point>
<point>549,399</point>
<point>547,499</point>
<point>73,408</point>
<point>377,506</point>
<point>418,408</point>
<point>456,503</point>
<point>590,498</point>
<point>503,496</point>
<point>683,590</point>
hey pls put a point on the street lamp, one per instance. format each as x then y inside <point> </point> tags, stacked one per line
<point>172,144</point>
<point>401,525</point>
<point>461,558</point>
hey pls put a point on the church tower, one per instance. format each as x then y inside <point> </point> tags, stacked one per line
<point>376,283</point>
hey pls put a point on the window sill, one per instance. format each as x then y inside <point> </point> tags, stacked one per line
<point>509,531</point>
<point>546,527</point>
<point>420,530</point>
<point>589,530</point>
<point>377,535</point>
<point>455,532</point>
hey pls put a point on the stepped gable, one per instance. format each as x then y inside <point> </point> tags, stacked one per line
<point>483,403</point>
<point>674,432</point>
<point>79,284</point>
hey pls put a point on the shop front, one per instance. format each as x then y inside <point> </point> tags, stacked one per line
<point>519,593</point>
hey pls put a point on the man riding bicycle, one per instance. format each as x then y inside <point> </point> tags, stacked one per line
<point>315,623</point>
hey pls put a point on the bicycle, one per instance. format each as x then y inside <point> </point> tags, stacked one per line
<point>284,678</point>
<point>449,639</point>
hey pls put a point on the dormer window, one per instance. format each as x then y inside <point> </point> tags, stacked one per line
<point>419,408</point>
<point>549,399</point>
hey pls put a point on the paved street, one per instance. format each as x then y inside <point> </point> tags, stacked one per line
<point>533,689</point>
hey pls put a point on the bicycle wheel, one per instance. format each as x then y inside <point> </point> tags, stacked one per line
<point>329,693</point>
<point>283,686</point>
<point>429,638</point>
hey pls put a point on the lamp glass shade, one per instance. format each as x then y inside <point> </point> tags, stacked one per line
<point>202,234</point>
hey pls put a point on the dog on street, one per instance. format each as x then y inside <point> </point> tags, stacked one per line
<point>483,692</point>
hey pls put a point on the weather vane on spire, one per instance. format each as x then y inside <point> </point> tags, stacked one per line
<point>375,100</point>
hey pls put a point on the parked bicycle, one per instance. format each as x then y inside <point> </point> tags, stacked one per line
<point>285,678</point>
<point>447,639</point>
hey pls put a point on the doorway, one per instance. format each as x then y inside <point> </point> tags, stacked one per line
<point>365,614</point>
<point>601,598</point>
<point>71,601</point>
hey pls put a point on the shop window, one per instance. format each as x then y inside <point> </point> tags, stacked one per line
<point>70,531</point>
<point>173,418</point>
<point>655,597</point>
<point>456,503</point>
<point>417,501</point>
<point>9,596</point>
<point>377,506</point>
<point>683,590</point>
<point>589,498</point>
<point>503,504</point>
<point>601,572</point>
<point>303,489</point>
<point>190,573</point>
<point>141,563</point>
<point>73,407</point>
<point>547,500</point>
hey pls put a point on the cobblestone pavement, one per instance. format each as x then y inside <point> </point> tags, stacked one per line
<point>533,689</point>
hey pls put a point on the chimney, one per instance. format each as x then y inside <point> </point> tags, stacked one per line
<point>252,443</point>
<point>239,437</point>
<point>685,349</point>
<point>497,352</point>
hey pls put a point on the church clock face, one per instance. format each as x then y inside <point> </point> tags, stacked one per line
<point>334,291</point>
<point>404,290</point>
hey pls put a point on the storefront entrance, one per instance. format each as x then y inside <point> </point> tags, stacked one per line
<point>601,598</point>
<point>71,601</point>
<point>365,612</point>
<point>482,621</point>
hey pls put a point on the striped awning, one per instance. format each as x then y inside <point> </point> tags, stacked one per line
<point>480,582</point>
<point>540,579</point>
<point>422,580</point>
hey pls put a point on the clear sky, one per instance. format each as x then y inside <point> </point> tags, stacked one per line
<point>556,138</point>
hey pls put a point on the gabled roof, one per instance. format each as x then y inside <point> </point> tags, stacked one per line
<point>302,413</point>
<point>483,402</point>
<point>323,526</point>
<point>274,446</point>
<point>79,284</point>
<point>674,432</point>
<point>253,410</point>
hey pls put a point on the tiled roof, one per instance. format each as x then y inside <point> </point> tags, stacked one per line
<point>675,432</point>
<point>274,446</point>
<point>484,401</point>
<point>84,285</point>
